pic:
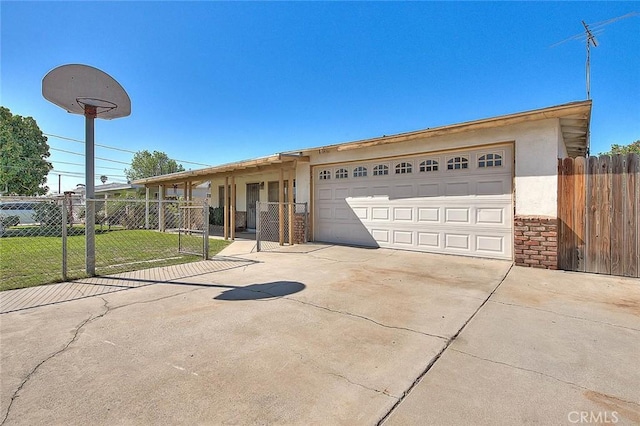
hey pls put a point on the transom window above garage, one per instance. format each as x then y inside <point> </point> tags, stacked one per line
<point>342,174</point>
<point>381,170</point>
<point>325,175</point>
<point>360,171</point>
<point>457,163</point>
<point>429,166</point>
<point>490,160</point>
<point>403,168</point>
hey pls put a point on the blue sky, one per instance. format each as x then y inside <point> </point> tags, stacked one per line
<point>214,82</point>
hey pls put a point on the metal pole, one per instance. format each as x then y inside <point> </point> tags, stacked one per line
<point>146,208</point>
<point>64,239</point>
<point>205,206</point>
<point>258,225</point>
<point>90,207</point>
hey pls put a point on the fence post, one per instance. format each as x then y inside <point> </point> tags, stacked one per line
<point>258,225</point>
<point>64,240</point>
<point>146,208</point>
<point>205,206</point>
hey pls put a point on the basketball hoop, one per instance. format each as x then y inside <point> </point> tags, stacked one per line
<point>95,107</point>
<point>108,100</point>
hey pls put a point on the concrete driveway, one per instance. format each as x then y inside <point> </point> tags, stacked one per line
<point>329,335</point>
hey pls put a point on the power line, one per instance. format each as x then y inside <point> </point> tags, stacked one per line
<point>82,155</point>
<point>118,149</point>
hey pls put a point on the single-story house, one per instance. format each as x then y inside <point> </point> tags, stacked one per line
<point>464,189</point>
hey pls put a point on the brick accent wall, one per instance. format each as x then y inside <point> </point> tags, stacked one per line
<point>536,242</point>
<point>299,236</point>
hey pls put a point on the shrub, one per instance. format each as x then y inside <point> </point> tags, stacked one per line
<point>216,216</point>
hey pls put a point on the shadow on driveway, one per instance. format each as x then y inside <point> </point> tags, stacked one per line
<point>261,291</point>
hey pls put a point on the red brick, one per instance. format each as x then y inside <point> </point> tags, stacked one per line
<point>549,253</point>
<point>532,243</point>
<point>530,252</point>
<point>552,239</point>
<point>538,257</point>
<point>537,228</point>
<point>537,239</point>
<point>518,251</point>
<point>549,234</point>
<point>549,262</point>
<point>532,233</point>
<point>550,243</point>
<point>520,228</point>
<point>539,266</point>
<point>532,261</point>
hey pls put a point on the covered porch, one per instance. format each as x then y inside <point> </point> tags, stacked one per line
<point>234,189</point>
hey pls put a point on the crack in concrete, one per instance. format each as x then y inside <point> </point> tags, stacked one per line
<point>541,374</point>
<point>153,300</point>
<point>564,315</point>
<point>384,392</point>
<point>365,318</point>
<point>331,373</point>
<point>53,355</point>
<point>439,354</point>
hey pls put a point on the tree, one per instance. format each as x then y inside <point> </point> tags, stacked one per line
<point>633,147</point>
<point>146,164</point>
<point>23,154</point>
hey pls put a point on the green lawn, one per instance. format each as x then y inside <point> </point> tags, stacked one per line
<point>31,261</point>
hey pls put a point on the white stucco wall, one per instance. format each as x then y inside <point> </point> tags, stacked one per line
<point>537,146</point>
<point>303,183</point>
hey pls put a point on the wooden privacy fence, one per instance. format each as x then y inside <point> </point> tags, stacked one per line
<point>599,214</point>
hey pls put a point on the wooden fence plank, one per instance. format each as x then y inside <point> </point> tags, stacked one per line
<point>630,260</point>
<point>604,213</point>
<point>579,210</point>
<point>565,239</point>
<point>617,217</point>
<point>591,258</point>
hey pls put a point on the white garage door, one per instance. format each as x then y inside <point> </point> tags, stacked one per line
<point>458,203</point>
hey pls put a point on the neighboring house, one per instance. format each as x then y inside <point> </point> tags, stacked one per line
<point>460,189</point>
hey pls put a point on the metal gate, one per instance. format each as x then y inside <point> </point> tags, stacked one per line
<point>280,224</point>
<point>193,228</point>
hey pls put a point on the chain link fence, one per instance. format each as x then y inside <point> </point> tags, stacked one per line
<point>42,240</point>
<point>280,224</point>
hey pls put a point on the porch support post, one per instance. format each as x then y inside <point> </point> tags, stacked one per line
<point>291,206</point>
<point>233,207</point>
<point>226,208</point>
<point>160,208</point>
<point>281,206</point>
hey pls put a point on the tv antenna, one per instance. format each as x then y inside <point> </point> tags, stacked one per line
<point>589,36</point>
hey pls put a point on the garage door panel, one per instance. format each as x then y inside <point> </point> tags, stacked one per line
<point>403,237</point>
<point>403,191</point>
<point>490,244</point>
<point>341,193</point>
<point>403,213</point>
<point>490,215</point>
<point>429,240</point>
<point>428,190</point>
<point>380,213</point>
<point>453,189</point>
<point>325,194</point>
<point>456,215</point>
<point>429,214</point>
